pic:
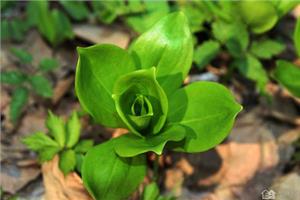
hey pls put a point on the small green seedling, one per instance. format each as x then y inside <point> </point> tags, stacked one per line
<point>25,82</point>
<point>62,139</point>
<point>141,90</point>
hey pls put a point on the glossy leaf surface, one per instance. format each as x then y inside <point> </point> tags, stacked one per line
<point>98,68</point>
<point>207,111</point>
<point>130,145</point>
<point>105,173</point>
<point>167,46</point>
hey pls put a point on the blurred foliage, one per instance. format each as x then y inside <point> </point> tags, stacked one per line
<point>239,28</point>
<point>24,82</point>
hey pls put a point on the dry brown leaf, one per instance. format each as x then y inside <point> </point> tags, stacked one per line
<point>185,166</point>
<point>60,187</point>
<point>174,180</point>
<point>102,34</point>
<point>62,86</point>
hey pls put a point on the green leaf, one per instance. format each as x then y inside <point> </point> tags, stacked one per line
<point>252,69</point>
<point>129,92</point>
<point>43,144</point>
<point>76,9</point>
<point>19,99</point>
<point>4,29</point>
<point>108,11</point>
<point>12,77</point>
<point>67,161</point>
<point>207,110</point>
<point>266,48</point>
<point>151,192</point>
<point>284,6</point>
<point>53,25</point>
<point>56,128</point>
<point>287,74</point>
<point>98,68</point>
<point>41,85</point>
<point>62,26</point>
<point>168,46</point>
<point>83,146</point>
<point>129,145</point>
<point>153,12</point>
<point>79,161</point>
<point>39,141</point>
<point>48,64</point>
<point>205,53</point>
<point>234,35</point>
<point>260,16</point>
<point>196,12</point>
<point>22,55</point>
<point>73,130</point>
<point>48,153</point>
<point>297,36</point>
<point>104,173</point>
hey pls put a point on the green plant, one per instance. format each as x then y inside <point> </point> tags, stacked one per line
<point>140,90</point>
<point>287,74</point>
<point>24,82</point>
<point>62,139</point>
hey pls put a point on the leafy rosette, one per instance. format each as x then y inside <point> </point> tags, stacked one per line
<point>141,90</point>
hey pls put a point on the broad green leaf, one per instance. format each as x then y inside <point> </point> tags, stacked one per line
<point>297,36</point>
<point>104,173</point>
<point>39,141</point>
<point>73,130</point>
<point>98,68</point>
<point>127,91</point>
<point>234,35</point>
<point>83,146</point>
<point>260,16</point>
<point>12,77</point>
<point>76,9</point>
<point>151,192</point>
<point>56,128</point>
<point>129,145</point>
<point>252,69</point>
<point>287,74</point>
<point>22,55</point>
<point>266,48</point>
<point>205,53</point>
<point>48,64</point>
<point>207,110</point>
<point>154,11</point>
<point>19,99</point>
<point>41,85</point>
<point>168,46</point>
<point>67,161</point>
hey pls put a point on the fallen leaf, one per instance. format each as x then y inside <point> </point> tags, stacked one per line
<point>62,86</point>
<point>58,186</point>
<point>102,34</point>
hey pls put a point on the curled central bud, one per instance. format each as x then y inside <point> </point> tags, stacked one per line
<point>140,102</point>
<point>141,112</point>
